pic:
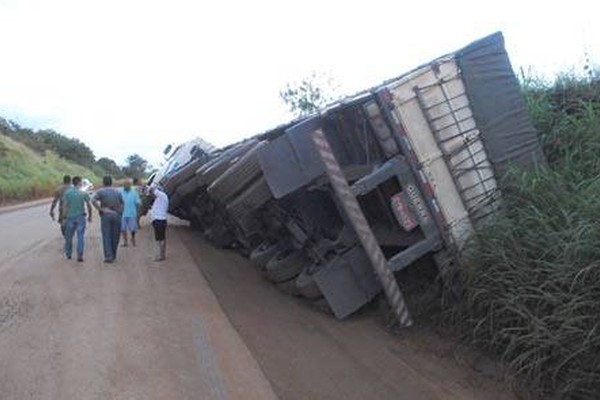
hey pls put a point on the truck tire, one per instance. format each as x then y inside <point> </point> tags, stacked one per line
<point>221,165</point>
<point>250,225</point>
<point>238,176</point>
<point>251,199</point>
<point>285,265</point>
<point>322,305</point>
<point>307,287</point>
<point>186,172</point>
<point>174,201</point>
<point>188,187</point>
<point>289,287</point>
<point>261,255</point>
<point>220,236</point>
<point>196,219</point>
<point>224,161</point>
<point>209,164</point>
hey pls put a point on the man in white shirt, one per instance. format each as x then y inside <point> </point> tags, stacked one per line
<point>158,216</point>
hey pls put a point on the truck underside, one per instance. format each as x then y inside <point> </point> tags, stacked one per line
<point>408,168</point>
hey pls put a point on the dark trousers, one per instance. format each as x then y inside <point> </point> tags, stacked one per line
<point>110,225</point>
<point>160,229</point>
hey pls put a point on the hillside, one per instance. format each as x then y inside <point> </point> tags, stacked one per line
<point>25,174</point>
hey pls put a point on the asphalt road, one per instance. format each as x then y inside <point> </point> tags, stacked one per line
<point>131,330</point>
<point>203,325</point>
<point>24,231</point>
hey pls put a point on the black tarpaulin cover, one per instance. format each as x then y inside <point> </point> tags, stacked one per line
<point>508,134</point>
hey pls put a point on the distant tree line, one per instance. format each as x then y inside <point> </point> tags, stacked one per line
<point>74,150</point>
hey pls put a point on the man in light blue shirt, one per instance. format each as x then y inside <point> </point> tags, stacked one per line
<point>131,204</point>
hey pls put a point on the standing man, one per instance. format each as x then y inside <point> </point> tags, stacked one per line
<point>57,200</point>
<point>73,211</point>
<point>131,204</point>
<point>158,215</point>
<point>109,203</point>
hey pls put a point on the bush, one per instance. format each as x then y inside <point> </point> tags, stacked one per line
<point>532,279</point>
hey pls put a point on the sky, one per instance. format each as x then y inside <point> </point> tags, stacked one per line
<point>133,76</point>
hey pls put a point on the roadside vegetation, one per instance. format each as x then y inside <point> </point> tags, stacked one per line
<point>33,162</point>
<point>44,140</point>
<point>531,282</point>
<point>26,175</point>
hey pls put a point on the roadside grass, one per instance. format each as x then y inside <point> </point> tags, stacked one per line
<point>27,175</point>
<point>531,281</point>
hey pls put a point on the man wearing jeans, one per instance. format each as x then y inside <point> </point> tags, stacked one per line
<point>73,201</point>
<point>109,204</point>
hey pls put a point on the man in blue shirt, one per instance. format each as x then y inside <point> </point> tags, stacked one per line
<point>131,204</point>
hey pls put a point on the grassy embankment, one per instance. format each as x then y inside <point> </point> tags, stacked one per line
<point>532,282</point>
<point>27,175</point>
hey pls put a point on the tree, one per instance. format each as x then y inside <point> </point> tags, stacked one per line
<point>66,147</point>
<point>49,140</point>
<point>110,167</point>
<point>135,166</point>
<point>309,94</point>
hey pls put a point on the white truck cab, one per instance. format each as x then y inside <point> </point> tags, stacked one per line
<point>179,156</point>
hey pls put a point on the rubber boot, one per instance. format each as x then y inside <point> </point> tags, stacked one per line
<point>163,249</point>
<point>160,251</point>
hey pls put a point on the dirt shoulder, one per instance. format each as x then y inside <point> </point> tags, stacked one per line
<point>308,355</point>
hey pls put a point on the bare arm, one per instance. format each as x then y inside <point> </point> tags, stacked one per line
<point>54,203</point>
<point>64,209</point>
<point>96,202</point>
<point>89,209</point>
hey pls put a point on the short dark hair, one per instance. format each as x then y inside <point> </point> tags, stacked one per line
<point>107,180</point>
<point>67,179</point>
<point>76,180</point>
<point>136,181</point>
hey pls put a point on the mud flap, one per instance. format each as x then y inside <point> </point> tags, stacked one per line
<point>348,282</point>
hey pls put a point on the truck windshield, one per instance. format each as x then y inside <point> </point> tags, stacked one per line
<point>174,153</point>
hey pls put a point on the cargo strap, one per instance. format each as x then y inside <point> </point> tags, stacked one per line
<point>365,234</point>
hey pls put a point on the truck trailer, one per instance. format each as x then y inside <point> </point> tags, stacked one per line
<point>332,205</point>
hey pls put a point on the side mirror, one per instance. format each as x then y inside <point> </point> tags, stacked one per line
<point>167,149</point>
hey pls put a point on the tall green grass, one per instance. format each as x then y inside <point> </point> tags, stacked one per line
<point>532,279</point>
<point>26,175</point>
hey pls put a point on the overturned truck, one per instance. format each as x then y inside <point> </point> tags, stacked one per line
<point>408,168</point>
